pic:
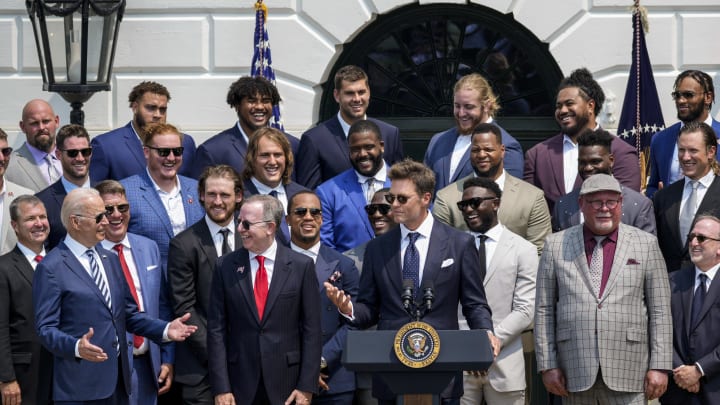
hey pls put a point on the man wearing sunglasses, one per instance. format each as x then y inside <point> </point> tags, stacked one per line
<point>603,328</point>
<point>696,334</point>
<point>344,197</point>
<point>694,94</point>
<point>74,153</point>
<point>8,192</point>
<point>381,219</point>
<point>677,205</point>
<point>119,153</point>
<point>140,262</point>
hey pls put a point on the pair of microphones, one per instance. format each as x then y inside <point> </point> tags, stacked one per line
<point>408,298</point>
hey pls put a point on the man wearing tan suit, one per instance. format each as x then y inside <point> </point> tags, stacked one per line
<point>8,192</point>
<point>523,209</point>
<point>603,328</point>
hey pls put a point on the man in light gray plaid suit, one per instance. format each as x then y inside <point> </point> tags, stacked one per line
<point>603,328</point>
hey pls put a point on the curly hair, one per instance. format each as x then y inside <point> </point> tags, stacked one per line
<point>589,88</point>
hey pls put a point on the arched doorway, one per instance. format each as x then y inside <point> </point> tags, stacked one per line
<point>415,54</point>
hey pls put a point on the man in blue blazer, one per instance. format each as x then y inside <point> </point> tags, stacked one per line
<point>162,202</point>
<point>324,148</point>
<point>253,99</point>
<point>305,217</point>
<point>344,197</point>
<point>442,255</point>
<point>694,94</point>
<point>83,309</point>
<point>119,153</point>
<point>153,364</point>
<point>474,103</point>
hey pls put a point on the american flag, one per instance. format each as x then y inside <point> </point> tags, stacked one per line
<point>262,58</point>
<point>641,115</point>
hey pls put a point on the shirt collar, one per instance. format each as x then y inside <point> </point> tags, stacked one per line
<point>313,252</point>
<point>72,186</point>
<point>344,125</point>
<point>214,227</point>
<point>588,235</point>
<point>566,138</point>
<point>424,229</point>
<point>175,191</point>
<point>110,245</point>
<point>244,135</point>
<point>76,247</point>
<point>705,180</point>
<point>28,253</point>
<point>380,176</point>
<point>265,189</point>
<point>710,273</point>
<point>39,155</point>
<point>492,233</point>
<point>269,253</point>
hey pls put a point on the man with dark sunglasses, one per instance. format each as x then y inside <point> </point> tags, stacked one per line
<point>8,192</point>
<point>381,219</point>
<point>74,153</point>
<point>344,197</point>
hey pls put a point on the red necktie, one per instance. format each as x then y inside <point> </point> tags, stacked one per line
<point>38,258</point>
<point>137,340</point>
<point>261,286</point>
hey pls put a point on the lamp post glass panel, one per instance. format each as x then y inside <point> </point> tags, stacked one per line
<point>76,42</point>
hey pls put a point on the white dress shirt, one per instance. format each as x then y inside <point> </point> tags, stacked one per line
<point>422,243</point>
<point>172,201</point>
<point>217,236</point>
<point>269,255</point>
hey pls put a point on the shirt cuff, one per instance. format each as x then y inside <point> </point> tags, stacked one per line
<point>77,349</point>
<point>350,317</point>
<point>699,367</point>
<point>166,338</point>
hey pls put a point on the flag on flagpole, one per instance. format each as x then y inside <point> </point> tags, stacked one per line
<point>262,58</point>
<point>641,115</point>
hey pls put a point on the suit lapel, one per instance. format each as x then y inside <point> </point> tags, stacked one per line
<point>323,269</point>
<point>577,251</point>
<point>688,281</point>
<point>238,141</point>
<point>207,245</point>
<point>672,214</point>
<point>281,272</point>
<point>189,201</point>
<point>243,273</point>
<point>504,245</point>
<point>152,199</point>
<point>437,249</point>
<point>713,293</point>
<point>462,165</point>
<point>339,136</point>
<point>391,250</point>
<point>78,269</point>
<point>133,144</point>
<point>27,163</point>
<point>139,254</point>
<point>556,165</point>
<point>21,263</point>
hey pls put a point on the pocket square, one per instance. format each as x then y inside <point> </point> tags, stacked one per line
<point>153,267</point>
<point>446,263</point>
<point>632,261</point>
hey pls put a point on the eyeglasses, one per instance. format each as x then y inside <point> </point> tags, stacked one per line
<point>122,208</point>
<point>165,152</point>
<point>473,202</point>
<point>676,95</point>
<point>98,218</point>
<point>610,204</point>
<point>73,153</point>
<point>384,209</point>
<point>700,238</point>
<point>401,199</point>
<point>247,224</point>
<point>6,151</point>
<point>302,211</point>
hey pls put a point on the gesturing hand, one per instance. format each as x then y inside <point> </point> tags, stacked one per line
<point>339,298</point>
<point>89,351</point>
<point>178,330</point>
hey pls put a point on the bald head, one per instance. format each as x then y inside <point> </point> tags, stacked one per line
<point>39,124</point>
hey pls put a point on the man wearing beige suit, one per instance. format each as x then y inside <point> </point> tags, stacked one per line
<point>603,328</point>
<point>8,192</point>
<point>523,209</point>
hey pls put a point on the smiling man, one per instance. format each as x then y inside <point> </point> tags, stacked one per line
<point>8,192</point>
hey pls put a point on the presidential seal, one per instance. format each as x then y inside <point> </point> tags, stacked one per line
<point>417,344</point>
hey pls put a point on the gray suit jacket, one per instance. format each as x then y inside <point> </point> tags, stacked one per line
<point>23,170</point>
<point>356,254</point>
<point>7,234</point>
<point>625,333</point>
<point>637,211</point>
<point>523,209</point>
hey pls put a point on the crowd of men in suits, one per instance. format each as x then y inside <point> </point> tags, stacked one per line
<point>143,266</point>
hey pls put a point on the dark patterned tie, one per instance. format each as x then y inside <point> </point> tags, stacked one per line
<point>698,299</point>
<point>482,253</point>
<point>411,262</point>
<point>97,277</point>
<point>688,212</point>
<point>225,245</point>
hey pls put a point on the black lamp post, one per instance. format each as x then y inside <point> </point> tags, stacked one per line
<point>76,42</point>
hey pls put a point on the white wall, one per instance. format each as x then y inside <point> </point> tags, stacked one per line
<point>197,48</point>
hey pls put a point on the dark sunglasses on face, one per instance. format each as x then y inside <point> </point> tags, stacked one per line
<point>73,153</point>
<point>401,199</point>
<point>700,238</point>
<point>165,152</point>
<point>122,208</point>
<point>676,95</point>
<point>99,217</point>
<point>473,202</point>
<point>247,224</point>
<point>301,211</point>
<point>373,208</point>
<point>6,151</point>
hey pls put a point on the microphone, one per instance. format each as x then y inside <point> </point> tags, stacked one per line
<point>428,295</point>
<point>407,294</point>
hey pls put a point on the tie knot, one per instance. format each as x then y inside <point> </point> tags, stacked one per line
<point>483,238</point>
<point>413,236</point>
<point>89,253</point>
<point>38,258</point>
<point>224,232</point>
<point>261,260</point>
<point>370,181</point>
<point>118,248</point>
<point>694,184</point>
<point>273,193</point>
<point>703,278</point>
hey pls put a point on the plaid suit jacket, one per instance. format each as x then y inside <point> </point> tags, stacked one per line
<point>624,333</point>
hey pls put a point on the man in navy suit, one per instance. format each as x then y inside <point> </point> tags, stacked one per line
<point>253,99</point>
<point>119,153</point>
<point>324,148</point>
<point>698,191</point>
<point>83,309</point>
<point>162,202</point>
<point>420,249</point>
<point>344,197</point>
<point>305,218</point>
<point>694,94</point>
<point>264,334</point>
<point>696,337</point>
<point>448,154</point>
<point>74,153</point>
<point>140,261</point>
<point>268,170</point>
<point>193,253</point>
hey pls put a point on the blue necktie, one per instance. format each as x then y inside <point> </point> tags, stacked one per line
<point>411,262</point>
<point>698,300</point>
<point>97,277</point>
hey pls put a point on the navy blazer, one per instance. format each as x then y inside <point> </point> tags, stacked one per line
<point>229,147</point>
<point>695,343</point>
<point>291,189</point>
<point>53,197</point>
<point>439,152</point>
<point>662,149</point>
<point>284,347</point>
<point>148,216</point>
<point>67,303</point>
<point>119,154</point>
<point>324,151</point>
<point>345,222</point>
<point>451,264</point>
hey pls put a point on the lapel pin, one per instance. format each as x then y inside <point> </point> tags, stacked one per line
<point>190,200</point>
